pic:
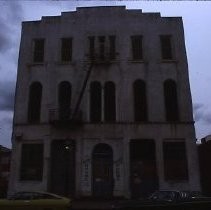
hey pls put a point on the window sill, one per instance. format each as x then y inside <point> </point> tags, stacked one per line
<point>175,181</point>
<point>168,61</point>
<point>137,61</point>
<point>37,64</point>
<point>107,62</point>
<point>65,63</point>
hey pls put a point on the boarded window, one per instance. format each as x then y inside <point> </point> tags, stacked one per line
<point>140,101</point>
<point>34,105</point>
<point>109,102</point>
<point>31,162</point>
<point>91,47</point>
<point>112,49</point>
<point>66,49</point>
<point>171,103</point>
<point>95,102</point>
<point>175,160</point>
<point>136,42</point>
<point>64,100</point>
<point>38,56</point>
<point>166,47</point>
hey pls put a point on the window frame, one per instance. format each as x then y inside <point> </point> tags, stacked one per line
<point>136,51</point>
<point>39,52</point>
<point>25,162</point>
<point>163,54</point>
<point>63,50</point>
<point>171,168</point>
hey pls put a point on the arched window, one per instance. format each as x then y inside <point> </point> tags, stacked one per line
<point>34,105</point>
<point>140,101</point>
<point>95,102</point>
<point>64,100</point>
<point>109,102</point>
<point>171,103</point>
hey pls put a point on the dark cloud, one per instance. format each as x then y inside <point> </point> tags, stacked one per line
<point>7,120</point>
<point>198,111</point>
<point>7,90</point>
<point>197,106</point>
<point>10,19</point>
<point>207,117</point>
<point>201,113</point>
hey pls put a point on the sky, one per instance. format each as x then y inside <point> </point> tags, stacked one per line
<point>196,18</point>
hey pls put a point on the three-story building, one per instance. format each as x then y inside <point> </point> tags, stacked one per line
<point>103,105</point>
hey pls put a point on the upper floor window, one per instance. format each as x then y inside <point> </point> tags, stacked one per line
<point>112,47</point>
<point>102,47</point>
<point>140,101</point>
<point>101,40</point>
<point>38,53</point>
<point>166,47</point>
<point>34,104</point>
<point>136,44</point>
<point>175,160</point>
<point>31,162</point>
<point>91,47</point>
<point>171,101</point>
<point>102,103</point>
<point>95,102</point>
<point>109,102</point>
<point>64,100</point>
<point>66,49</point>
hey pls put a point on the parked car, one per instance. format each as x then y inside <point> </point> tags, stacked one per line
<point>177,196</point>
<point>35,201</point>
<point>165,200</point>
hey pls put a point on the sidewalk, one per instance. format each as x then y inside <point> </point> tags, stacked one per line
<point>92,204</point>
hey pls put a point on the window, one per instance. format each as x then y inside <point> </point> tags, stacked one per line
<point>31,162</point>
<point>101,40</point>
<point>109,102</point>
<point>91,47</point>
<point>105,48</point>
<point>34,105</point>
<point>64,100</point>
<point>66,49</point>
<point>95,102</point>
<point>38,50</point>
<point>175,160</point>
<point>112,49</point>
<point>166,47</point>
<point>140,101</point>
<point>136,42</point>
<point>171,104</point>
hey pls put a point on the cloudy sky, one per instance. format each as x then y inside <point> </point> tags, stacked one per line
<point>196,17</point>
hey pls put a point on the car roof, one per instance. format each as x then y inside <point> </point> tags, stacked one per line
<point>41,192</point>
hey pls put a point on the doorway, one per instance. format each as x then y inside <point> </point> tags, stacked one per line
<point>63,167</point>
<point>102,171</point>
<point>143,171</point>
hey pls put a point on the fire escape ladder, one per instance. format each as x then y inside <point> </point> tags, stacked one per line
<point>75,111</point>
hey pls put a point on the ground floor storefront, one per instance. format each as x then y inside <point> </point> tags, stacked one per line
<point>104,166</point>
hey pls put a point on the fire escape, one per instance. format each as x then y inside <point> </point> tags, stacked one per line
<point>64,116</point>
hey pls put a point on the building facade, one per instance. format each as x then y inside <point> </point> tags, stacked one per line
<point>103,105</point>
<point>5,156</point>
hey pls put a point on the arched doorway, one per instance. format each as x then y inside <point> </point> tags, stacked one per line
<point>102,171</point>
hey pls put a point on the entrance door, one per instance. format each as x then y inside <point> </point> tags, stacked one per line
<point>143,170</point>
<point>63,167</point>
<point>102,170</point>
